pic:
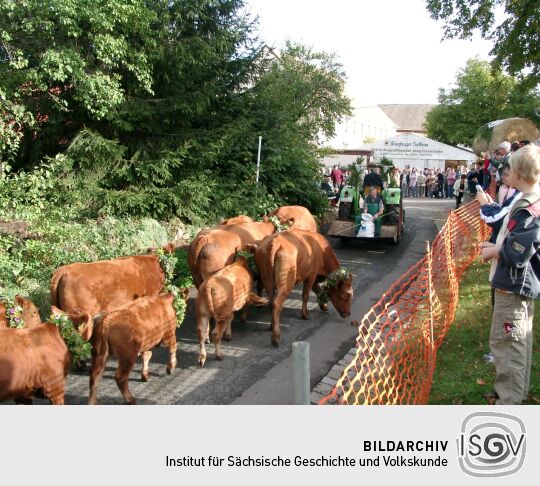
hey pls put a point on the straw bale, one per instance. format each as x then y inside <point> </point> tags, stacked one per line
<point>487,139</point>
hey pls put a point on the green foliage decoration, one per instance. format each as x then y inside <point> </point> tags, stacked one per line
<point>77,346</point>
<point>278,225</point>
<point>250,258</point>
<point>177,279</point>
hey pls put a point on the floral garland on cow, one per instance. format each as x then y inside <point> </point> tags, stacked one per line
<point>77,346</point>
<point>14,314</point>
<point>331,281</point>
<point>171,264</point>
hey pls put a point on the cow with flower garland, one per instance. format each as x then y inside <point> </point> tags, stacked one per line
<point>296,256</point>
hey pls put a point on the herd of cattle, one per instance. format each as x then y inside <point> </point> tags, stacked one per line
<point>118,305</point>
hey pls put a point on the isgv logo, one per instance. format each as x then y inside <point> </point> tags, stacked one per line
<point>491,444</point>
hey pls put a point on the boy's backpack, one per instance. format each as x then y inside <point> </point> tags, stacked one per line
<point>531,203</point>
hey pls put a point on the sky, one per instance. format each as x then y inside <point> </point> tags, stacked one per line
<point>391,50</point>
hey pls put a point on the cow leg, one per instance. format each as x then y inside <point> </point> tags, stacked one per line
<point>317,291</point>
<point>284,286</point>
<point>243,314</point>
<point>203,326</point>
<point>96,372</point>
<point>125,365</point>
<point>169,340</point>
<point>308,285</point>
<point>57,399</point>
<point>227,335</point>
<point>146,355</point>
<point>172,358</point>
<point>221,326</point>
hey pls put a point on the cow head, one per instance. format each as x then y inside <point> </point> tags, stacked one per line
<point>338,287</point>
<point>82,321</point>
<point>30,312</point>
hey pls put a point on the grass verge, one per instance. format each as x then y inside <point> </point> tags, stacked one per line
<point>461,376</point>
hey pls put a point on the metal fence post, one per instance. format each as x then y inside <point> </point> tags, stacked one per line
<point>302,386</point>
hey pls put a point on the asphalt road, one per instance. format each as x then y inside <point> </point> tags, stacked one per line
<point>253,371</point>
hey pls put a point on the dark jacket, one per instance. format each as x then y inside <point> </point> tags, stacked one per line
<point>494,214</point>
<point>518,268</point>
<point>373,179</point>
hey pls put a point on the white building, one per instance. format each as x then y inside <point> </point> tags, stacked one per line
<point>398,133</point>
<point>410,150</point>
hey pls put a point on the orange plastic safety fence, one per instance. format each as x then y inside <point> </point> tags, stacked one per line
<point>398,338</point>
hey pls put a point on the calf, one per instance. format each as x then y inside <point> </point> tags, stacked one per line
<point>30,313</point>
<point>32,361</point>
<point>225,292</point>
<point>128,332</point>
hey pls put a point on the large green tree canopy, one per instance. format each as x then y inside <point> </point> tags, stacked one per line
<point>478,96</point>
<point>512,25</point>
<point>156,105</point>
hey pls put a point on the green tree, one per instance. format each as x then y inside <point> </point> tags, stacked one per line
<point>160,104</point>
<point>478,97</point>
<point>515,34</point>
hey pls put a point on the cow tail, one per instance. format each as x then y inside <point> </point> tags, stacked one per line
<point>100,336</point>
<point>254,299</point>
<point>267,269</point>
<point>55,282</point>
<point>193,259</point>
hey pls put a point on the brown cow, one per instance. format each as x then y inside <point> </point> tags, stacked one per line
<point>225,292</point>
<point>288,258</point>
<point>241,219</point>
<point>30,313</point>
<point>300,217</point>
<point>33,361</point>
<point>106,285</point>
<point>128,332</point>
<point>213,249</point>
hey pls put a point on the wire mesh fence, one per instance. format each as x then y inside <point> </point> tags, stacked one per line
<point>398,338</point>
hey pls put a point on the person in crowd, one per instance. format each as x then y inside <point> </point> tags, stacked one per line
<point>412,182</point>
<point>440,184</point>
<point>326,186</point>
<point>450,181</point>
<point>405,183</point>
<point>373,204</point>
<point>373,179</point>
<point>337,177</point>
<point>493,212</point>
<point>501,157</point>
<point>394,178</point>
<point>474,177</point>
<point>460,189</point>
<point>431,182</point>
<point>515,276</point>
<point>421,184</point>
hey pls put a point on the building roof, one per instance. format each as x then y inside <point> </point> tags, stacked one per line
<point>408,117</point>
